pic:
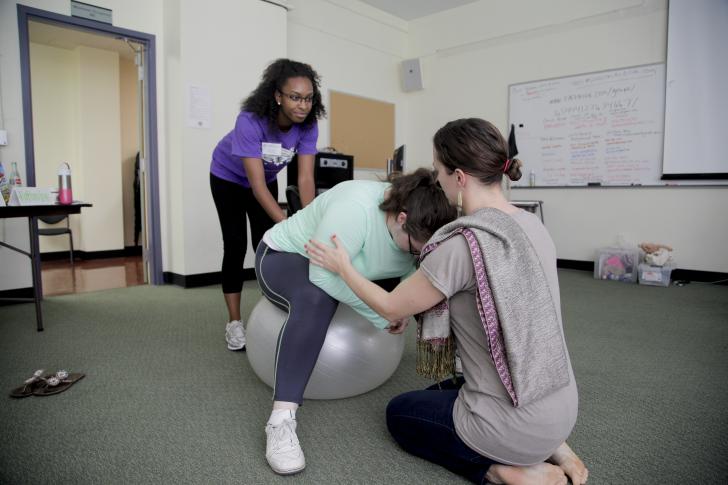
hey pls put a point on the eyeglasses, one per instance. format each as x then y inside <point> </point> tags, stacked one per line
<point>413,252</point>
<point>296,98</point>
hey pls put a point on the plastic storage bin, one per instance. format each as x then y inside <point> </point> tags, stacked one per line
<point>619,264</point>
<point>654,275</point>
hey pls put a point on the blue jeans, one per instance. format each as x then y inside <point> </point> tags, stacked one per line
<point>421,423</point>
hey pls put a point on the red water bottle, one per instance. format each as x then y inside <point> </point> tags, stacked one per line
<point>65,194</point>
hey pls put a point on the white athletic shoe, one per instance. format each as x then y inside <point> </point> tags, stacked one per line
<point>282,449</point>
<point>235,335</point>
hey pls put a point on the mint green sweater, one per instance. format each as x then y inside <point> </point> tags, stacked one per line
<point>351,211</point>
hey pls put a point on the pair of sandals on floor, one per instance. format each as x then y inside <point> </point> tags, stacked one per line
<point>46,385</point>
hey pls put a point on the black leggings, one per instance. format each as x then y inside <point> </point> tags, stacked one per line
<point>283,278</point>
<point>234,202</point>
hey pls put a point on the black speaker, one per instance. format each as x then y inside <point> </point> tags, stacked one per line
<point>329,169</point>
<point>411,75</point>
<point>332,168</point>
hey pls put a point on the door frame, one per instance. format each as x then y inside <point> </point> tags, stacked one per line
<point>25,14</point>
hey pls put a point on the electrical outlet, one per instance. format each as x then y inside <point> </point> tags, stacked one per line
<point>3,137</point>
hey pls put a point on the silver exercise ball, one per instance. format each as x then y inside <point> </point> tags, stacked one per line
<point>356,356</point>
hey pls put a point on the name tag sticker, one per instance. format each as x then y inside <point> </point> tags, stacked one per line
<point>273,149</point>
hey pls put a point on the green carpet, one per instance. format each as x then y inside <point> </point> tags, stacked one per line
<point>164,401</point>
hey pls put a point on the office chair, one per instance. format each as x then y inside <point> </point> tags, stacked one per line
<point>293,197</point>
<point>57,231</point>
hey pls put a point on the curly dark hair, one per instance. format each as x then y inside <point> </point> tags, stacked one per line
<point>419,195</point>
<point>262,100</point>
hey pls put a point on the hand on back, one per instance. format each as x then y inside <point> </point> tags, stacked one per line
<point>334,259</point>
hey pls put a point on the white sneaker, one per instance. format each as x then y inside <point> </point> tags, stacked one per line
<point>235,335</point>
<point>282,449</point>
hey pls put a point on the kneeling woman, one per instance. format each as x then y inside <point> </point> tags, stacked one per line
<point>382,227</point>
<point>487,283</point>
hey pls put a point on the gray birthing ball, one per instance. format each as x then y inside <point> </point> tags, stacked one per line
<point>356,356</point>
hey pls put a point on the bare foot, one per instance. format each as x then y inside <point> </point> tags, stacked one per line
<point>541,474</point>
<point>567,460</point>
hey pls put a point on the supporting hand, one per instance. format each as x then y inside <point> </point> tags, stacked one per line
<point>398,326</point>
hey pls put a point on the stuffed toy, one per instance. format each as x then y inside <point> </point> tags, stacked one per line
<point>613,268</point>
<point>656,254</point>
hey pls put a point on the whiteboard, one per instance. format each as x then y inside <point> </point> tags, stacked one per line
<point>696,101</point>
<point>602,128</point>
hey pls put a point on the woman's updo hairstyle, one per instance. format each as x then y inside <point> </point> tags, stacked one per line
<point>477,148</point>
<point>421,198</point>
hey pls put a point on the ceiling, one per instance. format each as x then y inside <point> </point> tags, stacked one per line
<point>414,9</point>
<point>68,38</point>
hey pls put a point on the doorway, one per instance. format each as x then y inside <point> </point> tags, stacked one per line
<point>97,43</point>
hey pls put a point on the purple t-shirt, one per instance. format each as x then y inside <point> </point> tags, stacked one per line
<point>253,137</point>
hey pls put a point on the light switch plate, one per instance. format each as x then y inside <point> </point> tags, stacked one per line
<point>3,137</point>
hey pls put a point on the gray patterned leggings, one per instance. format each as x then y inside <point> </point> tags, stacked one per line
<point>283,278</point>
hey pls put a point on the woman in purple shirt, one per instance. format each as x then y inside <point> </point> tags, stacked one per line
<point>277,121</point>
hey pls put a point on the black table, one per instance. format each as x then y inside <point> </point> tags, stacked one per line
<point>32,212</point>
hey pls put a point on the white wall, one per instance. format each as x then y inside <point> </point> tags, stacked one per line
<point>55,77</point>
<point>470,56</point>
<point>99,157</point>
<point>139,15</point>
<point>55,84</point>
<point>171,201</point>
<point>225,50</point>
<point>76,119</point>
<point>218,44</point>
<point>356,49</point>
